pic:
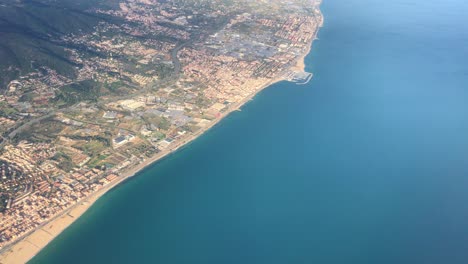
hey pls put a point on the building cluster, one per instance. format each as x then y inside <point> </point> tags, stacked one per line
<point>140,89</point>
<point>233,63</point>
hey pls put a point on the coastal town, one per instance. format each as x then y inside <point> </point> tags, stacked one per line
<point>139,89</point>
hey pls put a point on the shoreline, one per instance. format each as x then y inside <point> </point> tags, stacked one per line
<point>31,243</point>
<point>25,248</point>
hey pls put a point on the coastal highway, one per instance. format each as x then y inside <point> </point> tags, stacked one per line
<point>17,130</point>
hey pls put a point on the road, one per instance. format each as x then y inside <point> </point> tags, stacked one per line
<point>17,130</point>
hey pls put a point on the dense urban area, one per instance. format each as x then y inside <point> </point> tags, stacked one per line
<point>134,81</point>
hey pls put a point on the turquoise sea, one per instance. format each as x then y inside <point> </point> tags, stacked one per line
<point>368,163</point>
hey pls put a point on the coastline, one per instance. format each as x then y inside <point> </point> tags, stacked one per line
<point>28,246</point>
<point>24,249</point>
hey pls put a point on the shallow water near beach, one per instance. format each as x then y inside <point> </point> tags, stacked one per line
<point>368,163</point>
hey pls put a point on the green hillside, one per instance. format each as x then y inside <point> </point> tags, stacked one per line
<point>30,33</point>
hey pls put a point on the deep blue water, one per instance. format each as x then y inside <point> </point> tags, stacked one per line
<point>368,163</point>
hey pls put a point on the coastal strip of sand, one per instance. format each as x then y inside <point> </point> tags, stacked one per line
<point>33,242</point>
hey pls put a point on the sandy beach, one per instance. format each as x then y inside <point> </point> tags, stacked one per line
<point>26,248</point>
<point>31,243</point>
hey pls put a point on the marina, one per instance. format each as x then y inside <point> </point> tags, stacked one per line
<point>299,77</point>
